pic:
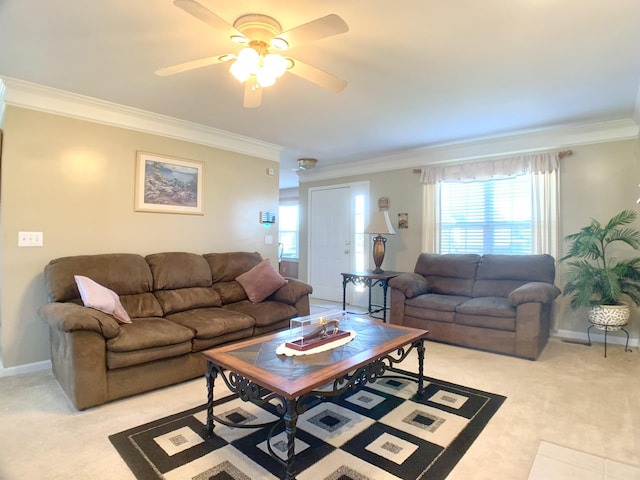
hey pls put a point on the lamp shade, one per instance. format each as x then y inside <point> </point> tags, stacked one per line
<point>380,224</point>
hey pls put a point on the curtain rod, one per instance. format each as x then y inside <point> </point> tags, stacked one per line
<point>562,154</point>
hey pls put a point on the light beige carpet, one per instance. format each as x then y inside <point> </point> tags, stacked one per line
<point>572,396</point>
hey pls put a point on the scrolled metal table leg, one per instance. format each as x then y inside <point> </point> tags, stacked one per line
<point>420,347</point>
<point>290,420</point>
<point>211,378</point>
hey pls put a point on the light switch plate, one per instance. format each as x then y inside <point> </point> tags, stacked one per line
<point>268,239</point>
<point>30,239</point>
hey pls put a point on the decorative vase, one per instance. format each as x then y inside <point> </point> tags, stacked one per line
<point>609,317</point>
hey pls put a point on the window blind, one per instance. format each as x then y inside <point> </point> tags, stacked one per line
<point>488,216</point>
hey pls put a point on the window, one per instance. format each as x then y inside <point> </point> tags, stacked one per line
<point>288,234</point>
<point>490,216</point>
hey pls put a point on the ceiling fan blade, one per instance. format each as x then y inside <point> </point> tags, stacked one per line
<point>193,64</point>
<point>317,76</point>
<point>207,16</point>
<point>252,93</point>
<point>314,30</point>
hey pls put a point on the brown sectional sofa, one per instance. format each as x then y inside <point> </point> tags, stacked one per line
<point>499,303</point>
<point>180,304</point>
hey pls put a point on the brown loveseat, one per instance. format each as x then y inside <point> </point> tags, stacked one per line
<point>500,303</point>
<point>179,304</point>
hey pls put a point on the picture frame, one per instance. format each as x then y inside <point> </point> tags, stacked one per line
<point>165,184</point>
<point>403,220</point>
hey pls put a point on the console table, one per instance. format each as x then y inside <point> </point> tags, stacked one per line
<point>369,279</point>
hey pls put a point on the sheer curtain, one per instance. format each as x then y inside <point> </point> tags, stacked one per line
<point>543,168</point>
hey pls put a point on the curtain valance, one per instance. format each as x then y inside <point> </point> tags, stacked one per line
<point>482,170</point>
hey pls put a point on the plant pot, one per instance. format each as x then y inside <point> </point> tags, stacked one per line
<point>609,317</point>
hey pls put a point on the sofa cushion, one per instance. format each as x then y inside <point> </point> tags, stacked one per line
<point>230,292</point>
<point>428,314</point>
<point>212,322</point>
<point>145,333</point>
<point>172,270</point>
<point>141,305</point>
<point>117,360</point>
<point>488,306</point>
<point>265,313</point>
<point>228,266</point>
<point>436,301</point>
<point>101,298</point>
<point>181,299</point>
<point>499,275</point>
<point>261,281</point>
<point>507,324</point>
<point>124,273</point>
<point>450,274</point>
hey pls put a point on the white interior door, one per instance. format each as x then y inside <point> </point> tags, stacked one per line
<point>329,240</point>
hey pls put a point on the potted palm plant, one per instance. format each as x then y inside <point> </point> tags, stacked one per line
<point>598,281</point>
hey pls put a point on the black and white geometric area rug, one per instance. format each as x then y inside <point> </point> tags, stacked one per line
<point>382,431</point>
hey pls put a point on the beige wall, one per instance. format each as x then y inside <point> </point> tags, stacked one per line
<point>74,181</point>
<point>597,181</point>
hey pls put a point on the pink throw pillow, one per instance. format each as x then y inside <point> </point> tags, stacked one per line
<point>101,298</point>
<point>261,281</point>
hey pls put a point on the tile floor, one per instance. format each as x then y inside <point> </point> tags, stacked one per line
<point>554,462</point>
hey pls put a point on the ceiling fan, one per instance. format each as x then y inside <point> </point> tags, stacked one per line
<point>258,64</point>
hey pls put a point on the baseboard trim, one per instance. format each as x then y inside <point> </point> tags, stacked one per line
<point>613,338</point>
<point>22,369</point>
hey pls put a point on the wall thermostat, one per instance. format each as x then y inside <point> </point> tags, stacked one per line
<point>267,218</point>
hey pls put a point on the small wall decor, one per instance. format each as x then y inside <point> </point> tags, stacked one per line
<point>403,220</point>
<point>383,203</point>
<point>168,184</point>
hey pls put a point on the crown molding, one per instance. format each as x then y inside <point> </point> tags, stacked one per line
<point>20,93</point>
<point>485,148</point>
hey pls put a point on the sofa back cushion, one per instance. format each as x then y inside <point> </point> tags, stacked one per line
<point>449,274</point>
<point>498,275</point>
<point>226,267</point>
<point>182,281</point>
<point>126,274</point>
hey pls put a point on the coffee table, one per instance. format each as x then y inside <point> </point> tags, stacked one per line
<point>254,371</point>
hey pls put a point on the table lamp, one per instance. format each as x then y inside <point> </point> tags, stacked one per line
<point>380,224</point>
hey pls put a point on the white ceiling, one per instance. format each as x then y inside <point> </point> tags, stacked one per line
<point>420,73</point>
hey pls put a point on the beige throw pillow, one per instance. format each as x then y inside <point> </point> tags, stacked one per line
<point>261,281</point>
<point>101,298</point>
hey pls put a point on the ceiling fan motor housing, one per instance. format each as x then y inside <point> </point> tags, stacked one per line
<point>258,27</point>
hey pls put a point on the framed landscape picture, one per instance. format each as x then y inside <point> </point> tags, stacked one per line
<point>168,184</point>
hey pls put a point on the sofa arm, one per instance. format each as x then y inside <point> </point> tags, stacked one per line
<point>292,291</point>
<point>536,292</point>
<point>410,284</point>
<point>69,317</point>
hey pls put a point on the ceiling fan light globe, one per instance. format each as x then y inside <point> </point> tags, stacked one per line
<point>239,70</point>
<point>265,78</point>
<point>275,64</point>
<point>249,57</point>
